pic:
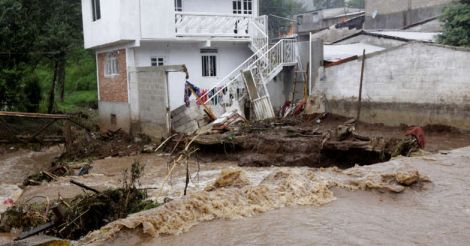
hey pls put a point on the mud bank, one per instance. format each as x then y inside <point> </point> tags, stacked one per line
<point>281,188</point>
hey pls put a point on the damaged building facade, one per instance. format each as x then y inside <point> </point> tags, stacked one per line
<point>211,37</point>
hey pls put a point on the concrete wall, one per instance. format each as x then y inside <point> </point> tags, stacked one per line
<point>315,21</point>
<point>157,19</point>
<point>135,20</point>
<point>332,35</point>
<point>414,84</point>
<point>229,57</point>
<point>377,41</point>
<point>431,26</point>
<point>121,112</point>
<point>151,96</point>
<point>188,119</point>
<point>396,14</point>
<point>316,61</point>
<point>104,30</point>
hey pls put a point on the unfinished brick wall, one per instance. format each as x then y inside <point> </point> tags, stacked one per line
<point>113,88</point>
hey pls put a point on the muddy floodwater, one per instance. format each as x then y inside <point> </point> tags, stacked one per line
<point>370,205</point>
<point>435,213</point>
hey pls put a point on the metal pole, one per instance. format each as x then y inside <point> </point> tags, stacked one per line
<point>359,105</point>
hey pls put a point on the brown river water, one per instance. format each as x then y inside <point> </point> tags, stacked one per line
<point>300,206</point>
<point>370,205</point>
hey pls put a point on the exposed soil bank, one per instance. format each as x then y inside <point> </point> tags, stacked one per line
<point>307,141</point>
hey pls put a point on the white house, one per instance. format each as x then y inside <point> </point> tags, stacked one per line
<point>215,39</point>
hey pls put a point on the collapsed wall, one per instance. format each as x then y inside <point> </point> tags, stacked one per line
<point>415,84</point>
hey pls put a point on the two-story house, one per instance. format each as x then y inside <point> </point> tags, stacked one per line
<point>215,39</point>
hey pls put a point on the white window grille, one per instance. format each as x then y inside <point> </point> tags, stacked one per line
<point>111,64</point>
<point>178,5</point>
<point>242,7</point>
<point>209,62</point>
<point>96,9</point>
<point>157,61</point>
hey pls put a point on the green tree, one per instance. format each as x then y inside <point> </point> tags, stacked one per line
<point>456,20</point>
<point>19,30</point>
<point>359,4</point>
<point>328,4</point>
<point>34,32</point>
<point>279,12</point>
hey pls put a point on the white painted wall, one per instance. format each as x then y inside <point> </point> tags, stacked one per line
<point>213,6</point>
<point>105,30</point>
<point>208,6</point>
<point>413,73</point>
<point>133,20</point>
<point>228,58</point>
<point>157,19</point>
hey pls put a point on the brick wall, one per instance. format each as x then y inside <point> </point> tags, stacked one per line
<point>113,88</point>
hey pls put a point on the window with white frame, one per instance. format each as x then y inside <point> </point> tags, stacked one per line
<point>96,9</point>
<point>242,7</point>
<point>112,64</point>
<point>157,61</point>
<point>209,62</point>
<point>178,5</point>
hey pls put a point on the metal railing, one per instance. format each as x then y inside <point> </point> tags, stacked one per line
<point>264,64</point>
<point>212,25</point>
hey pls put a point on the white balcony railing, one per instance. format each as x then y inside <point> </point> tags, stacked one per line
<point>212,25</point>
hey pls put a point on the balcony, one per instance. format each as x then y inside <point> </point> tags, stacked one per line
<point>212,25</point>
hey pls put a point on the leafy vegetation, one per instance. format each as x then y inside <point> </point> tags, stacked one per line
<point>326,4</point>
<point>456,20</point>
<point>279,12</point>
<point>355,4</point>
<point>41,53</point>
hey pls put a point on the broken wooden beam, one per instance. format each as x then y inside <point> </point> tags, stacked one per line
<point>35,231</point>
<point>33,115</point>
<point>86,187</point>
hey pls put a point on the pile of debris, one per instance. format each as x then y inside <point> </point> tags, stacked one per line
<point>102,145</point>
<point>74,218</point>
<point>304,141</point>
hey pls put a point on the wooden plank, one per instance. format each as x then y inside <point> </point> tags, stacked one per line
<point>33,115</point>
<point>68,136</point>
<point>359,103</point>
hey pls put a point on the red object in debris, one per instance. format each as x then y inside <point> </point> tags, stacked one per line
<point>203,98</point>
<point>418,133</point>
<point>8,202</point>
<point>300,107</point>
<point>284,108</point>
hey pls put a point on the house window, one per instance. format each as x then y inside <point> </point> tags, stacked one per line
<point>111,65</point>
<point>96,9</point>
<point>178,5</point>
<point>237,7</point>
<point>209,62</point>
<point>247,7</point>
<point>242,7</point>
<point>157,61</point>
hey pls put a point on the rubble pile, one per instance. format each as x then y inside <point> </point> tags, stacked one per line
<point>74,218</point>
<point>304,141</point>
